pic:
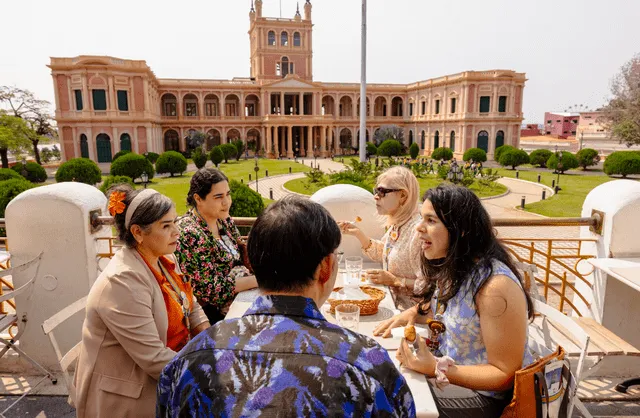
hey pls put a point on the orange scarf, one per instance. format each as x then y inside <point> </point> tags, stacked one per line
<point>178,333</point>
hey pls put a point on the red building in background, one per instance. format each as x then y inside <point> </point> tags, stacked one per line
<point>530,129</point>
<point>560,124</point>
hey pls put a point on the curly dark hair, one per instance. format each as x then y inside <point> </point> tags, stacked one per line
<point>201,183</point>
<point>473,245</point>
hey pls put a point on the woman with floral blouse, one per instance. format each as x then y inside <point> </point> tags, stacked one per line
<point>207,250</point>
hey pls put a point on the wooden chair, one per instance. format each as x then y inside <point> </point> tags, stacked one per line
<point>65,360</point>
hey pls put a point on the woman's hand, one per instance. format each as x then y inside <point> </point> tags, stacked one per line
<point>422,361</point>
<point>349,228</point>
<point>407,317</point>
<point>383,277</point>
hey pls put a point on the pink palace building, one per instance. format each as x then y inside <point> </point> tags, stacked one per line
<point>107,104</point>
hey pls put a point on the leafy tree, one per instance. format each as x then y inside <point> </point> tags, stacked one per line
<point>46,155</point>
<point>477,154</point>
<point>622,115</point>
<point>14,136</point>
<point>239,144</point>
<point>35,173</point>
<point>390,148</point>
<point>387,132</point>
<point>587,157</point>
<point>442,152</point>
<point>540,157</point>
<point>216,155</point>
<point>414,150</point>
<point>497,152</point>
<point>514,158</point>
<point>229,151</point>
<point>199,158</point>
<point>55,152</point>
<point>622,163</point>
<point>132,165</point>
<point>569,162</point>
<point>171,162</point>
<point>82,170</point>
<point>9,189</point>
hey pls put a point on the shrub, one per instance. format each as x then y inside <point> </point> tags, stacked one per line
<point>414,150</point>
<point>442,153</point>
<point>79,169</point>
<point>171,162</point>
<point>540,157</point>
<point>10,189</point>
<point>622,163</point>
<point>120,154</point>
<point>390,148</point>
<point>498,152</point>
<point>199,158</point>
<point>587,157</point>
<point>569,161</point>
<point>9,174</point>
<point>246,202</point>
<point>514,157</point>
<point>113,180</point>
<point>229,151</point>
<point>35,172</point>
<point>239,144</point>
<point>478,155</point>
<point>132,165</point>
<point>216,155</point>
<point>371,149</point>
<point>152,156</point>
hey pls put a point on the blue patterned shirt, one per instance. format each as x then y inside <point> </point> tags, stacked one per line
<point>282,358</point>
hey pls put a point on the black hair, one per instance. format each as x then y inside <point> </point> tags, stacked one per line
<point>473,245</point>
<point>149,211</point>
<point>201,183</point>
<point>288,241</point>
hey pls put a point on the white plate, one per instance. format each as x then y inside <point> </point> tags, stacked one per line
<point>398,333</point>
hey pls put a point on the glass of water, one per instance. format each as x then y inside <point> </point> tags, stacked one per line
<point>348,316</point>
<point>354,267</point>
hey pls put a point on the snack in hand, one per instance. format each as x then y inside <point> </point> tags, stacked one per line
<point>410,333</point>
<point>358,219</point>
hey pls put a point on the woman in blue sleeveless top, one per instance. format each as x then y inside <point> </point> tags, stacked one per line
<point>474,303</point>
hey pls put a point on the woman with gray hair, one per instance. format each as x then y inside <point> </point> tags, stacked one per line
<point>139,312</point>
<point>396,195</point>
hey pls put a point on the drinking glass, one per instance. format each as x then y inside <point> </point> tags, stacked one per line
<point>348,316</point>
<point>354,267</point>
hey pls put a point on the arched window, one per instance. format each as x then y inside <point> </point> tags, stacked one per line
<point>422,140</point>
<point>103,146</point>
<point>84,146</point>
<point>483,140</point>
<point>125,142</point>
<point>410,138</point>
<point>499,139</point>
<point>436,140</point>
<point>296,39</point>
<point>452,140</point>
<point>284,39</point>
<point>271,38</point>
<point>285,66</point>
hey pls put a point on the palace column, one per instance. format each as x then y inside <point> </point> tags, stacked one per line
<point>323,141</point>
<point>276,141</point>
<point>334,139</point>
<point>269,148</point>
<point>309,141</point>
<point>289,142</point>
<point>301,103</point>
<point>282,102</point>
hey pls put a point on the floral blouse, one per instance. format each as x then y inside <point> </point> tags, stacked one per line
<point>211,265</point>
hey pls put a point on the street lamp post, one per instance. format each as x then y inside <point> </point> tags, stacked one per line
<point>558,169</point>
<point>256,169</point>
<point>145,179</point>
<point>315,156</point>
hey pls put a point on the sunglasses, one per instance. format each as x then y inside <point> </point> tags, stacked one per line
<point>382,192</point>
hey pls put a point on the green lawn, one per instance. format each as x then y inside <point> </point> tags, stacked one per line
<point>567,203</point>
<point>177,188</point>
<point>300,186</point>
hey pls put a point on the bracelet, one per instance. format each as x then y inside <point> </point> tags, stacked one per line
<point>442,367</point>
<point>368,246</point>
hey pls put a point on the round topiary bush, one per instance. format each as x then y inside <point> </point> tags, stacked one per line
<point>10,189</point>
<point>82,170</point>
<point>113,180</point>
<point>171,162</point>
<point>120,154</point>
<point>132,165</point>
<point>414,150</point>
<point>35,172</point>
<point>622,163</point>
<point>229,151</point>
<point>587,157</point>
<point>9,174</point>
<point>152,156</point>
<point>514,157</point>
<point>371,149</point>
<point>498,152</point>
<point>442,153</point>
<point>199,158</point>
<point>246,202</point>
<point>540,157</point>
<point>216,155</point>
<point>478,155</point>
<point>390,148</point>
<point>569,162</point>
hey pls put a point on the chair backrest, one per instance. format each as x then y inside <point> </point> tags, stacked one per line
<point>34,263</point>
<point>65,360</point>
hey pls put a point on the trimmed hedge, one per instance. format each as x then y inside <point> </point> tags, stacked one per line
<point>9,174</point>
<point>569,161</point>
<point>540,157</point>
<point>9,189</point>
<point>171,162</point>
<point>229,151</point>
<point>498,152</point>
<point>477,155</point>
<point>240,147</point>
<point>622,163</point>
<point>82,170</point>
<point>587,157</point>
<point>199,158</point>
<point>113,180</point>
<point>216,155</point>
<point>513,157</point>
<point>371,149</point>
<point>152,156</point>
<point>414,150</point>
<point>35,172</point>
<point>390,148</point>
<point>132,165</point>
<point>246,202</point>
<point>442,152</point>
<point>120,154</point>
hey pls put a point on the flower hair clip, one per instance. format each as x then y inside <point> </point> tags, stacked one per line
<point>116,203</point>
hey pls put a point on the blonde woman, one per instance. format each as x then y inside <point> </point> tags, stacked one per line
<point>396,195</point>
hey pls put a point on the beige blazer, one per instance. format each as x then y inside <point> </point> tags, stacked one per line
<point>124,341</point>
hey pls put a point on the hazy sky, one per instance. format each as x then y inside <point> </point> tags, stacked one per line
<point>569,49</point>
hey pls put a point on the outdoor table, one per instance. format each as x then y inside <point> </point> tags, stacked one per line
<point>425,406</point>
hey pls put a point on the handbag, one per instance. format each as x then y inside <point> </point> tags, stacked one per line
<point>544,389</point>
<point>244,253</point>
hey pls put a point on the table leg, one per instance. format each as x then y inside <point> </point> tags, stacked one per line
<point>622,387</point>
